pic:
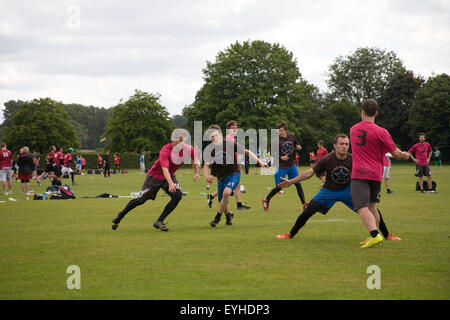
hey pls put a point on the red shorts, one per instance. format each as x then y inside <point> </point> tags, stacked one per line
<point>24,176</point>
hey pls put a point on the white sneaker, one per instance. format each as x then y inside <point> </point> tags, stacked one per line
<point>10,191</point>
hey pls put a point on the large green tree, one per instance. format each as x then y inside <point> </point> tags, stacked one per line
<point>395,105</point>
<point>430,112</point>
<point>139,124</point>
<point>254,82</point>
<point>10,109</point>
<point>40,123</point>
<point>362,74</point>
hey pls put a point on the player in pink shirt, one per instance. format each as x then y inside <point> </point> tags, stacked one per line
<point>369,144</point>
<point>5,168</point>
<point>162,176</point>
<point>422,152</point>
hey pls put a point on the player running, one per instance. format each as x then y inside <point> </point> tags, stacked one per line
<point>369,143</point>
<point>337,168</point>
<point>66,169</point>
<point>162,176</point>
<point>287,145</point>
<point>231,136</point>
<point>226,168</point>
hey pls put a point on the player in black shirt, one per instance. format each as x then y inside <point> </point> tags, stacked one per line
<point>337,166</point>
<point>287,146</point>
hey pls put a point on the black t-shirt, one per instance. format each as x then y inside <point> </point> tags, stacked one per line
<point>224,161</point>
<point>338,172</point>
<point>106,159</point>
<point>287,147</point>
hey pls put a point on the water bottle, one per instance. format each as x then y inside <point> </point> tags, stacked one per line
<point>203,194</point>
<point>44,196</point>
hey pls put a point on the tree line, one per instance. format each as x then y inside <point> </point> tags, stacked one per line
<point>259,84</point>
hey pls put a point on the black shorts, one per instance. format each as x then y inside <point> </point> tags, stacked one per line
<point>365,192</point>
<point>49,168</point>
<point>57,171</point>
<point>422,171</point>
<point>152,185</point>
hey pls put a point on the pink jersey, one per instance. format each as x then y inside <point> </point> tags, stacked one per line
<point>322,152</point>
<point>67,159</point>
<point>5,158</point>
<point>58,158</point>
<point>170,159</point>
<point>386,162</point>
<point>230,137</point>
<point>369,143</point>
<point>421,151</point>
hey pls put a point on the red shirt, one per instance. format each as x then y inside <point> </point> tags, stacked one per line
<point>312,156</point>
<point>170,159</point>
<point>50,157</point>
<point>421,151</point>
<point>5,158</point>
<point>67,159</point>
<point>322,152</point>
<point>116,160</point>
<point>99,160</point>
<point>369,143</point>
<point>58,158</point>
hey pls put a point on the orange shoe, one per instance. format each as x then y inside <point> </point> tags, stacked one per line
<point>284,236</point>
<point>265,204</point>
<point>393,237</point>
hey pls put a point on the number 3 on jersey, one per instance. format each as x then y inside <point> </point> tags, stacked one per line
<point>363,136</point>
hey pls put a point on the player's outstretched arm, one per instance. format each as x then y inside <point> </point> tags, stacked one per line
<point>254,157</point>
<point>305,175</point>
<point>196,167</point>
<point>400,155</point>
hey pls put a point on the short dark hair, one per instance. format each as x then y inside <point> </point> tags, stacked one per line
<point>340,135</point>
<point>2,145</point>
<point>320,142</point>
<point>422,134</point>
<point>370,107</point>
<point>282,125</point>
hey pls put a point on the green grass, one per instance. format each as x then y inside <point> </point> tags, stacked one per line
<point>40,239</point>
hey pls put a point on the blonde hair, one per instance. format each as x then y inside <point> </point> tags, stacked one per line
<point>25,150</point>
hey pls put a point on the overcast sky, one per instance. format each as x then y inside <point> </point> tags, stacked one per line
<point>98,52</point>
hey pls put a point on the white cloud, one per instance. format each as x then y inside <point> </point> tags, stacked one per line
<point>162,46</point>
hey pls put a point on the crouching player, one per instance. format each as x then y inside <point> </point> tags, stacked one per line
<point>226,167</point>
<point>337,167</point>
<point>162,176</point>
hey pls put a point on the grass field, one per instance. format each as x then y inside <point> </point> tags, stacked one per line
<point>40,239</point>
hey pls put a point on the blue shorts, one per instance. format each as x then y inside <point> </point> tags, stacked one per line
<point>326,198</point>
<point>291,172</point>
<point>228,182</point>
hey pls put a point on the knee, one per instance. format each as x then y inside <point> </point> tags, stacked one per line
<point>177,196</point>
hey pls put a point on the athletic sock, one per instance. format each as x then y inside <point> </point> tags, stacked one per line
<point>72,176</point>
<point>173,203</point>
<point>300,193</point>
<point>383,227</point>
<point>272,193</point>
<point>373,233</point>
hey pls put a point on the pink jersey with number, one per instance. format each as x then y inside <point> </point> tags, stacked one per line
<point>369,144</point>
<point>421,151</point>
<point>170,159</point>
<point>5,158</point>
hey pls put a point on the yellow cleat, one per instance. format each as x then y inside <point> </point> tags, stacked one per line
<point>373,241</point>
